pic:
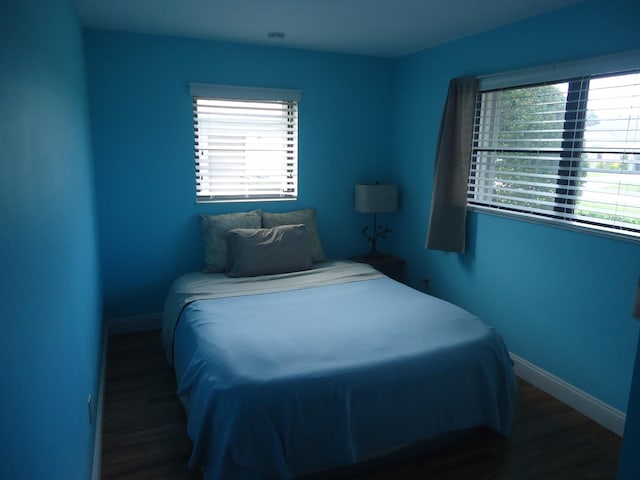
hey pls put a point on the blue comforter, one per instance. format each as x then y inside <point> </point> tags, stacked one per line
<point>282,384</point>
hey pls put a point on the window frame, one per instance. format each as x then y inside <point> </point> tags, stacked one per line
<point>571,72</point>
<point>288,100</point>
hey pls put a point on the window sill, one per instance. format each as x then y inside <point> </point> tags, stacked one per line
<point>576,227</point>
<point>245,200</point>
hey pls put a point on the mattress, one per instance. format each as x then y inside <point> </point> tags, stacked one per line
<point>292,374</point>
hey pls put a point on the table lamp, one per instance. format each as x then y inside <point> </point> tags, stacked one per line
<point>376,199</point>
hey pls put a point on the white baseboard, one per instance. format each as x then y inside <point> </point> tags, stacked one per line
<point>97,442</point>
<point>598,411</point>
<point>135,323</point>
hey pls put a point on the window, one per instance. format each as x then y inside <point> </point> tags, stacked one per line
<point>568,151</point>
<point>246,143</point>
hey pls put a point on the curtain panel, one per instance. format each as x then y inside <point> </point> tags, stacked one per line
<point>448,217</point>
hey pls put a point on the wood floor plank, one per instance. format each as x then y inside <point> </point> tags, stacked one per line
<point>144,433</point>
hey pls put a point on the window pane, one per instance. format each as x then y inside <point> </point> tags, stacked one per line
<point>567,150</point>
<point>528,118</point>
<point>519,141</point>
<point>245,149</point>
<point>610,170</point>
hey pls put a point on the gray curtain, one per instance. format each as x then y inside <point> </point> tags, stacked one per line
<point>448,217</point>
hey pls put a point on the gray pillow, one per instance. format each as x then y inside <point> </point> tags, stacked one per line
<point>297,217</point>
<point>265,251</point>
<point>214,228</point>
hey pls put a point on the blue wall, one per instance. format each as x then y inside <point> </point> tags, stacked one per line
<point>561,299</point>
<point>629,467</point>
<point>50,346</point>
<point>142,127</point>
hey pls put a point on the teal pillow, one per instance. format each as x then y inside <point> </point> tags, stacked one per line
<point>214,228</point>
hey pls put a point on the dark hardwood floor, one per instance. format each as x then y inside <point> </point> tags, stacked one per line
<point>144,433</point>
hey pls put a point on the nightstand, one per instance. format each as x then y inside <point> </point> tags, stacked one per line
<point>390,265</point>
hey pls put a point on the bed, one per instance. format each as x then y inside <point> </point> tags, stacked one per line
<point>289,374</point>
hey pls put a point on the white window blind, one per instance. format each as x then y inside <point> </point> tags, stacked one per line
<point>246,143</point>
<point>565,150</point>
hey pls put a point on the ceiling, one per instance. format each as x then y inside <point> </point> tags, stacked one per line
<point>385,28</point>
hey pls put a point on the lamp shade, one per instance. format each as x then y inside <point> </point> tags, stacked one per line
<point>376,198</point>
